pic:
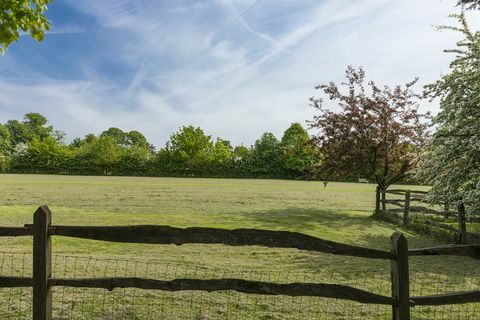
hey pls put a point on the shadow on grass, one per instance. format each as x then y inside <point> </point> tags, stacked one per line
<point>359,229</point>
<point>305,219</point>
<point>360,226</point>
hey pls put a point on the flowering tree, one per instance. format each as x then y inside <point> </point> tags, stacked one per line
<point>451,163</point>
<point>376,134</point>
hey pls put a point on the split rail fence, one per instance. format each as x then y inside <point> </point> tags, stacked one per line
<point>410,204</point>
<point>400,300</point>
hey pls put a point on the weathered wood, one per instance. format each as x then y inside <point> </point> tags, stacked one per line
<point>246,286</point>
<point>42,264</point>
<point>400,277</point>
<point>462,225</point>
<point>473,219</point>
<point>237,237</point>
<point>377,200</point>
<point>15,231</point>
<point>396,192</point>
<point>406,208</point>
<point>418,192</point>
<point>401,191</point>
<point>384,199</point>
<point>15,282</point>
<point>446,211</point>
<point>441,225</point>
<point>444,214</point>
<point>448,298</point>
<point>397,202</point>
<point>416,197</point>
<point>425,210</point>
<point>451,250</point>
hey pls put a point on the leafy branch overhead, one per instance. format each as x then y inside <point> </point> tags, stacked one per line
<point>469,4</point>
<point>376,134</point>
<point>22,16</point>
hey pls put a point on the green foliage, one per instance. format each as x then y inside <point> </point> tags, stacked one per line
<point>266,158</point>
<point>188,152</point>
<point>5,140</point>
<point>22,16</point>
<point>377,133</point>
<point>452,161</point>
<point>41,156</point>
<point>103,153</point>
<point>32,146</point>
<point>33,127</point>
<point>298,154</point>
<point>5,148</point>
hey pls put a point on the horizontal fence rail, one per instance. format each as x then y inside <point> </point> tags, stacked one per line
<point>452,250</point>
<point>237,237</point>
<point>16,231</point>
<point>401,302</point>
<point>253,287</point>
<point>448,298</point>
<point>15,282</point>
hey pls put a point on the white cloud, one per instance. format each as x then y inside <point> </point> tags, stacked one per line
<point>235,68</point>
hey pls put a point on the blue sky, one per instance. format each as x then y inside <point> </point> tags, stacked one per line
<point>236,68</point>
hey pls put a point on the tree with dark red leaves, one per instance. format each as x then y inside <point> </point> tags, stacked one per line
<point>377,134</point>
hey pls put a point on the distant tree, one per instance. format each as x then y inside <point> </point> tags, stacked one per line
<point>42,156</point>
<point>103,154</point>
<point>240,164</point>
<point>241,152</point>
<point>377,133</point>
<point>135,161</point>
<point>188,152</point>
<point>18,16</point>
<point>19,132</point>
<point>6,148</point>
<point>137,139</point>
<point>451,163</point>
<point>5,140</point>
<point>117,134</point>
<point>266,157</point>
<point>38,126</point>
<point>127,139</point>
<point>298,154</point>
<point>34,126</point>
<point>222,151</point>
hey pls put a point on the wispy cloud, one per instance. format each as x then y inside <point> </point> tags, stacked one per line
<point>235,67</point>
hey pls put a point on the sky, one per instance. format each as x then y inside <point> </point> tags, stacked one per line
<point>236,68</point>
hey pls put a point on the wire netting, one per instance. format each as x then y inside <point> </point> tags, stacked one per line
<point>125,303</point>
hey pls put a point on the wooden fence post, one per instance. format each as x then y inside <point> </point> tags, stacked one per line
<point>384,199</point>
<point>446,211</point>
<point>406,208</point>
<point>462,226</point>
<point>377,200</point>
<point>42,264</point>
<point>400,277</point>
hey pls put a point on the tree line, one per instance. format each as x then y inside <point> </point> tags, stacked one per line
<point>378,132</point>
<point>33,146</point>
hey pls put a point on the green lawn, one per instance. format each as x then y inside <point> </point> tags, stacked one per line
<point>339,212</point>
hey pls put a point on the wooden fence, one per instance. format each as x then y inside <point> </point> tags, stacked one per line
<point>42,231</point>
<point>410,204</point>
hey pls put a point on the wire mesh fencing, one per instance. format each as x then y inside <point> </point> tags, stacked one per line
<point>442,281</point>
<point>136,304</point>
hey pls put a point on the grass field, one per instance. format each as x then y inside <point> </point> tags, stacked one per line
<point>339,212</point>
